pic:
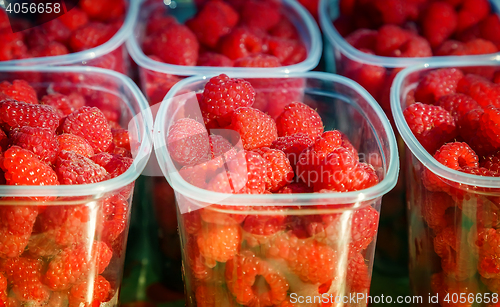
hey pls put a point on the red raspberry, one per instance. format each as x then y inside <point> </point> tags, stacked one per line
<point>488,244</point>
<point>456,156</point>
<point>489,126</point>
<point>121,138</point>
<point>371,77</point>
<point>188,142</point>
<point>295,187</point>
<point>196,261</point>
<point>468,124</point>
<point>454,263</point>
<point>103,10</point>
<point>71,142</point>
<point>279,171</point>
<point>159,20</point>
<point>223,95</point>
<point>115,211</point>
<point>358,278</point>
<point>218,242</point>
<point>457,105</point>
<point>444,286</point>
<point>258,60</point>
<point>450,47</point>
<point>390,38</point>
<point>437,83</point>
<point>72,168</point>
<point>241,275</point>
<point>284,29</point>
<point>12,47</point>
<point>431,125</point>
<point>255,128</point>
<point>40,141</point>
<point>363,39</point>
<point>480,89</point>
<point>90,124</point>
<point>434,210</point>
<point>74,19</point>
<point>492,162</point>
<point>345,176</point>
<point>215,20</point>
<point>489,28</point>
<point>79,293</point>
<point>19,90</point>
<point>3,289</point>
<point>471,13</point>
<point>208,58</point>
<point>255,173</point>
<point>16,228</point>
<point>288,51</point>
<point>299,118</point>
<point>179,40</point>
<point>64,105</point>
<point>264,225</point>
<point>260,14</point>
<point>91,35</point>
<point>217,214</point>
<point>22,167</point>
<point>292,146</point>
<point>240,42</point>
<point>42,35</point>
<point>439,22</point>
<point>25,275</point>
<point>14,114</point>
<point>391,11</point>
<point>475,47</point>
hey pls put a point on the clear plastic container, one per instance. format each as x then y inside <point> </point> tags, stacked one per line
<point>330,264</point>
<point>110,55</point>
<point>445,225</point>
<point>71,237</point>
<point>153,72</point>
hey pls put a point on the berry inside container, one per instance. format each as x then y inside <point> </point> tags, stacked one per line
<point>91,34</point>
<point>74,140</point>
<point>453,183</point>
<point>254,231</point>
<point>235,41</point>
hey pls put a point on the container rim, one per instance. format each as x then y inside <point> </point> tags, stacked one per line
<point>312,60</point>
<point>89,54</point>
<point>349,51</point>
<point>414,145</point>
<point>181,186</point>
<point>143,152</point>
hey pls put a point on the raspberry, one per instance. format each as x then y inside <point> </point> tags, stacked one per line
<point>158,20</point>
<point>457,105</point>
<point>99,292</point>
<point>284,29</point>
<point>258,60</point>
<point>215,20</point>
<point>295,187</point>
<point>188,142</point>
<point>471,13</point>
<point>25,275</point>
<point>14,114</point>
<point>445,286</point>
<point>218,214</point>
<point>115,212</point>
<point>489,126</point>
<point>488,243</point>
<point>255,128</point>
<point>439,22</point>
<point>255,173</point>
<point>22,167</point>
<point>477,46</point>
<point>180,42</point>
<point>103,10</point>
<point>40,141</point>
<point>196,261</point>
<point>64,105</point>
<point>358,278</point>
<point>241,275</point>
<point>90,35</point>
<point>223,95</point>
<point>121,138</point>
<point>74,19</point>
<point>287,51</point>
<point>218,242</point>
<point>65,225</point>
<point>214,59</point>
<point>492,162</point>
<point>3,289</point>
<point>90,124</point>
<point>292,146</point>
<point>391,11</point>
<point>260,14</point>
<point>299,118</point>
<point>390,38</point>
<point>468,124</point>
<point>363,39</point>
<point>71,142</point>
<point>240,42</point>
<point>489,28</point>
<point>450,47</point>
<point>480,89</point>
<point>13,46</point>
<point>19,90</point>
<point>455,263</point>
<point>264,225</point>
<point>437,83</point>
<point>16,228</point>
<point>279,171</point>
<point>42,35</point>
<point>72,168</point>
<point>434,210</point>
<point>340,174</point>
<point>51,49</point>
<point>493,284</point>
<point>456,156</point>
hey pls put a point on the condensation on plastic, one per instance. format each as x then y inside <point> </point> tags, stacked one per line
<point>328,12</point>
<point>300,17</point>
<point>87,57</point>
